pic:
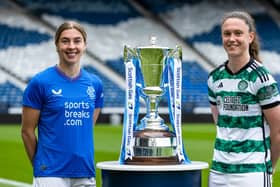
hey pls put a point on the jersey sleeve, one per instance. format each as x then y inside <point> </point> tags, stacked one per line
<point>99,94</point>
<point>211,94</point>
<point>32,96</point>
<point>268,93</point>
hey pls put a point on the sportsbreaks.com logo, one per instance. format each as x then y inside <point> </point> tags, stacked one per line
<point>75,112</point>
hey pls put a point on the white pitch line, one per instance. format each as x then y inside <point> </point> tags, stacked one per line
<point>14,183</point>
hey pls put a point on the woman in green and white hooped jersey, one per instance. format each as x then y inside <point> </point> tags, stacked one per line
<point>244,100</point>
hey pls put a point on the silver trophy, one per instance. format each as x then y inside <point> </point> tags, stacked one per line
<point>153,141</point>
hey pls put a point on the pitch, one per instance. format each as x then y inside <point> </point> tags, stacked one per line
<point>14,164</point>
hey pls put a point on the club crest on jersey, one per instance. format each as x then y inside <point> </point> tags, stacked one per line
<point>91,92</point>
<point>57,92</point>
<point>242,85</point>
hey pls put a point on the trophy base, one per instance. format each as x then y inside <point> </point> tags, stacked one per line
<point>154,147</point>
<point>153,161</point>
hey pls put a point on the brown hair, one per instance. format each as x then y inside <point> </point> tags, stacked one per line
<point>254,47</point>
<point>70,25</point>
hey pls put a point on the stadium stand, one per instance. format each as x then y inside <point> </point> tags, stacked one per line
<point>27,28</point>
<point>198,24</point>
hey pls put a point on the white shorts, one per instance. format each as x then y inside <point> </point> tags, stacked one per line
<point>256,179</point>
<point>63,182</point>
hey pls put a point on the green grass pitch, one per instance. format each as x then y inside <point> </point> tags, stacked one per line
<point>14,165</point>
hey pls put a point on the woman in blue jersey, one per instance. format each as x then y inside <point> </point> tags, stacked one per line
<point>63,102</point>
<point>244,100</point>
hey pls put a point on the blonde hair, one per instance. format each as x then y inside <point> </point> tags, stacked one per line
<point>254,47</point>
<point>70,25</point>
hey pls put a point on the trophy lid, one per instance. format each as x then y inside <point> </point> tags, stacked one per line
<point>153,41</point>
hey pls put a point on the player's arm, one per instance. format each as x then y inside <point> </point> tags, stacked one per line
<point>215,113</point>
<point>272,116</point>
<point>30,118</point>
<point>96,114</point>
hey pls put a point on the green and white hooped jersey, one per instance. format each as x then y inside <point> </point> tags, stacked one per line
<point>243,137</point>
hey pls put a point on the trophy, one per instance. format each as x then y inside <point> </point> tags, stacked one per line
<point>151,73</point>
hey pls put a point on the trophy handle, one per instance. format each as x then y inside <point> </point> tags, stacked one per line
<point>128,53</point>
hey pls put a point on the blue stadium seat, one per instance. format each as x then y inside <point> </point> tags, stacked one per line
<point>10,95</point>
<point>14,36</point>
<point>98,12</point>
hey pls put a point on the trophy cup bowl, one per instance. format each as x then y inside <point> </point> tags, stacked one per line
<point>154,143</point>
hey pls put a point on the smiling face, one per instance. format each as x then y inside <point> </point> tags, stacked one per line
<point>70,46</point>
<point>236,37</point>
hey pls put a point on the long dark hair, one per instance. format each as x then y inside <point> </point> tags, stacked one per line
<point>254,47</point>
